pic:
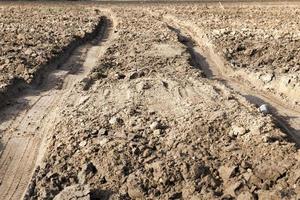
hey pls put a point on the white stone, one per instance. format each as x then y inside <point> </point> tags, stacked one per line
<point>264,109</point>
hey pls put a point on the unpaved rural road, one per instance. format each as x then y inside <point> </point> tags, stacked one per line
<point>26,122</point>
<point>284,115</point>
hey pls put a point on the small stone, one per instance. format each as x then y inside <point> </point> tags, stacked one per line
<point>227,172</point>
<point>133,75</point>
<point>157,132</point>
<point>103,141</point>
<point>102,131</point>
<point>266,78</point>
<point>136,151</point>
<point>147,153</point>
<point>247,176</point>
<point>83,143</point>
<point>232,188</point>
<point>21,37</point>
<point>119,76</point>
<point>155,125</point>
<point>236,130</point>
<point>143,86</point>
<point>264,109</point>
<point>20,69</point>
<point>254,180</point>
<point>28,52</point>
<point>115,121</point>
<point>94,132</point>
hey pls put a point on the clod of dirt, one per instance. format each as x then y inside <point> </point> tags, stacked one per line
<point>79,192</point>
<point>227,172</point>
<point>134,187</point>
<point>88,170</point>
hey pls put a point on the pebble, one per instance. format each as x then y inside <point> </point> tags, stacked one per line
<point>115,121</point>
<point>83,143</point>
<point>266,77</point>
<point>236,130</point>
<point>133,75</point>
<point>155,125</point>
<point>157,132</point>
<point>264,109</point>
<point>103,141</point>
<point>102,131</point>
<point>119,76</point>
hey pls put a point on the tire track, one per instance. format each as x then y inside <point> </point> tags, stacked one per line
<point>24,134</point>
<point>203,56</point>
<point>22,183</point>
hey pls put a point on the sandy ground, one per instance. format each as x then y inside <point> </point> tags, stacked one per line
<point>148,110</point>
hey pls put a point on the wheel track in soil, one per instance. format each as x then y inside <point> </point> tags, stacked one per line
<point>203,55</point>
<point>25,124</point>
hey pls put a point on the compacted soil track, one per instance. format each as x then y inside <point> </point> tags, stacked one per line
<point>26,122</point>
<point>287,117</point>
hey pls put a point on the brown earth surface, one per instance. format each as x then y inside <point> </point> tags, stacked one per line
<point>260,44</point>
<point>34,38</point>
<point>152,107</point>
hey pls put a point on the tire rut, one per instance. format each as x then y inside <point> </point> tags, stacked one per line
<point>25,124</point>
<point>212,65</point>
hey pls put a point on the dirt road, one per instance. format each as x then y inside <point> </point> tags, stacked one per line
<point>153,126</point>
<point>285,116</point>
<point>26,122</point>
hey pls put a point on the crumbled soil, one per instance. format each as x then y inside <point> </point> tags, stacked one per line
<point>260,43</point>
<point>144,121</point>
<point>27,46</point>
<point>151,127</point>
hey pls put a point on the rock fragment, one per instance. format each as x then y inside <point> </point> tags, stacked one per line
<point>227,172</point>
<point>264,108</point>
